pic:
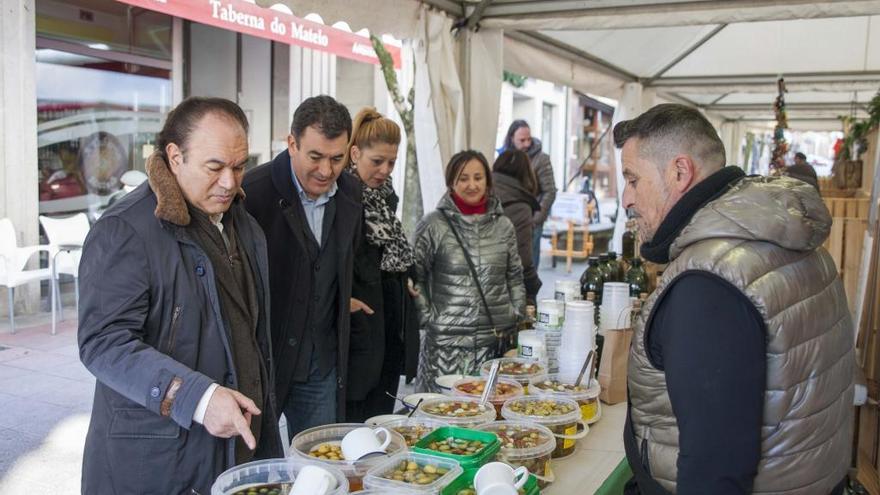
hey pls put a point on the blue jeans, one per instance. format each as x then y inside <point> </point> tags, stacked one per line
<point>312,403</point>
<point>536,244</point>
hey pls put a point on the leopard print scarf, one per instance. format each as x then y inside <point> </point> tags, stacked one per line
<point>384,229</point>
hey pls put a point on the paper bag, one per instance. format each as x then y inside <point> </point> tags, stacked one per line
<point>612,367</point>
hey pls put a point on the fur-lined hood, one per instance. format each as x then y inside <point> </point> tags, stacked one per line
<point>170,203</point>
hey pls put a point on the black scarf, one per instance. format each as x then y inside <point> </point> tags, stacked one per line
<point>657,249</point>
<point>384,229</point>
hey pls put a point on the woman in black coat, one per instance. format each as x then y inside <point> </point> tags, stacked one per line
<point>384,320</point>
<point>516,186</point>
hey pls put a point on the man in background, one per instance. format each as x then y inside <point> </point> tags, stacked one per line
<point>519,137</point>
<point>802,170</point>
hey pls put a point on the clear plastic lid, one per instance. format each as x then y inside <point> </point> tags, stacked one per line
<point>419,468</point>
<point>519,369</point>
<point>270,472</point>
<point>415,428</point>
<point>559,410</point>
<point>553,385</point>
<point>306,441</point>
<point>472,386</point>
<point>510,431</point>
<point>457,411</point>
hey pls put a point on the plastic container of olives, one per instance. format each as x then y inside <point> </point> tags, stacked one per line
<point>471,448</point>
<point>420,473</point>
<point>553,385</point>
<point>463,412</point>
<point>561,416</point>
<point>524,443</point>
<point>415,428</point>
<point>275,476</point>
<point>514,368</point>
<point>473,386</point>
<point>307,441</point>
<point>464,485</point>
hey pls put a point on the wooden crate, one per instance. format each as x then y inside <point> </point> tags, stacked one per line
<point>848,207</point>
<point>845,243</point>
<point>867,448</point>
<point>849,223</point>
<point>828,189</point>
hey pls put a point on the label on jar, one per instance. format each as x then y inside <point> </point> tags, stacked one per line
<point>570,431</point>
<point>589,410</point>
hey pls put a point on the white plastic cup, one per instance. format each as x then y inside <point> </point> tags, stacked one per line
<point>497,478</point>
<point>614,316</point>
<point>313,480</point>
<point>579,331</point>
<point>615,293</point>
<point>361,442</point>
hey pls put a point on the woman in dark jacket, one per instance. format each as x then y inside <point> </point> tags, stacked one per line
<point>384,319</point>
<point>516,188</point>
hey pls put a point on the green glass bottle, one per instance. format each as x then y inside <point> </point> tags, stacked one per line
<point>629,242</point>
<point>591,280</point>
<point>637,278</point>
<point>613,268</point>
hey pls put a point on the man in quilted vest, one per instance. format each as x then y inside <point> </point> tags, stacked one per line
<point>740,371</point>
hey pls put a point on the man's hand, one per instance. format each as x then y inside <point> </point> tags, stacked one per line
<point>411,287</point>
<point>229,414</point>
<point>358,305</point>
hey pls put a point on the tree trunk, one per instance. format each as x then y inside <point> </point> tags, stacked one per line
<point>412,187</point>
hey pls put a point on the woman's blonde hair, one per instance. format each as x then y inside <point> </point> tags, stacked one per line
<point>371,127</point>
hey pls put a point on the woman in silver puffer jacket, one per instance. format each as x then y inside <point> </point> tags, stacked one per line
<point>458,332</point>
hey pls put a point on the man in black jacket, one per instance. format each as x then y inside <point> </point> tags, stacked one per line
<point>174,319</point>
<point>311,216</point>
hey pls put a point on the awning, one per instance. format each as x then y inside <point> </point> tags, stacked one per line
<point>273,24</point>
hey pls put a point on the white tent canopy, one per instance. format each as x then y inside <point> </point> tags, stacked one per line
<point>721,56</point>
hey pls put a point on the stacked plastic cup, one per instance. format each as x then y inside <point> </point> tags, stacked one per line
<point>551,317</point>
<point>578,336</point>
<point>616,307</point>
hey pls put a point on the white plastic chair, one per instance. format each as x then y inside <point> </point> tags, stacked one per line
<point>66,237</point>
<point>13,260</point>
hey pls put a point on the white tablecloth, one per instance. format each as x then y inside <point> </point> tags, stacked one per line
<point>596,456</point>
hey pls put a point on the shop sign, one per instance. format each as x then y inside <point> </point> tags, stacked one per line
<point>248,18</point>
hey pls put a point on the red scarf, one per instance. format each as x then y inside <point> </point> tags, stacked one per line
<point>466,209</point>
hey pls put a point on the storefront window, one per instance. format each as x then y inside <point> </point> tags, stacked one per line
<point>97,119</point>
<point>104,25</point>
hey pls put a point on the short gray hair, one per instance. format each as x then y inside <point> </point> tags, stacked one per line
<point>669,129</point>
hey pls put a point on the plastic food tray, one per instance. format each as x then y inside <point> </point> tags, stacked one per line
<point>491,445</point>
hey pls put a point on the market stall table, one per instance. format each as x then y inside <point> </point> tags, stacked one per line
<point>598,458</point>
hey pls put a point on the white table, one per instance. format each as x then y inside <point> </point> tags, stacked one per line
<point>596,456</point>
